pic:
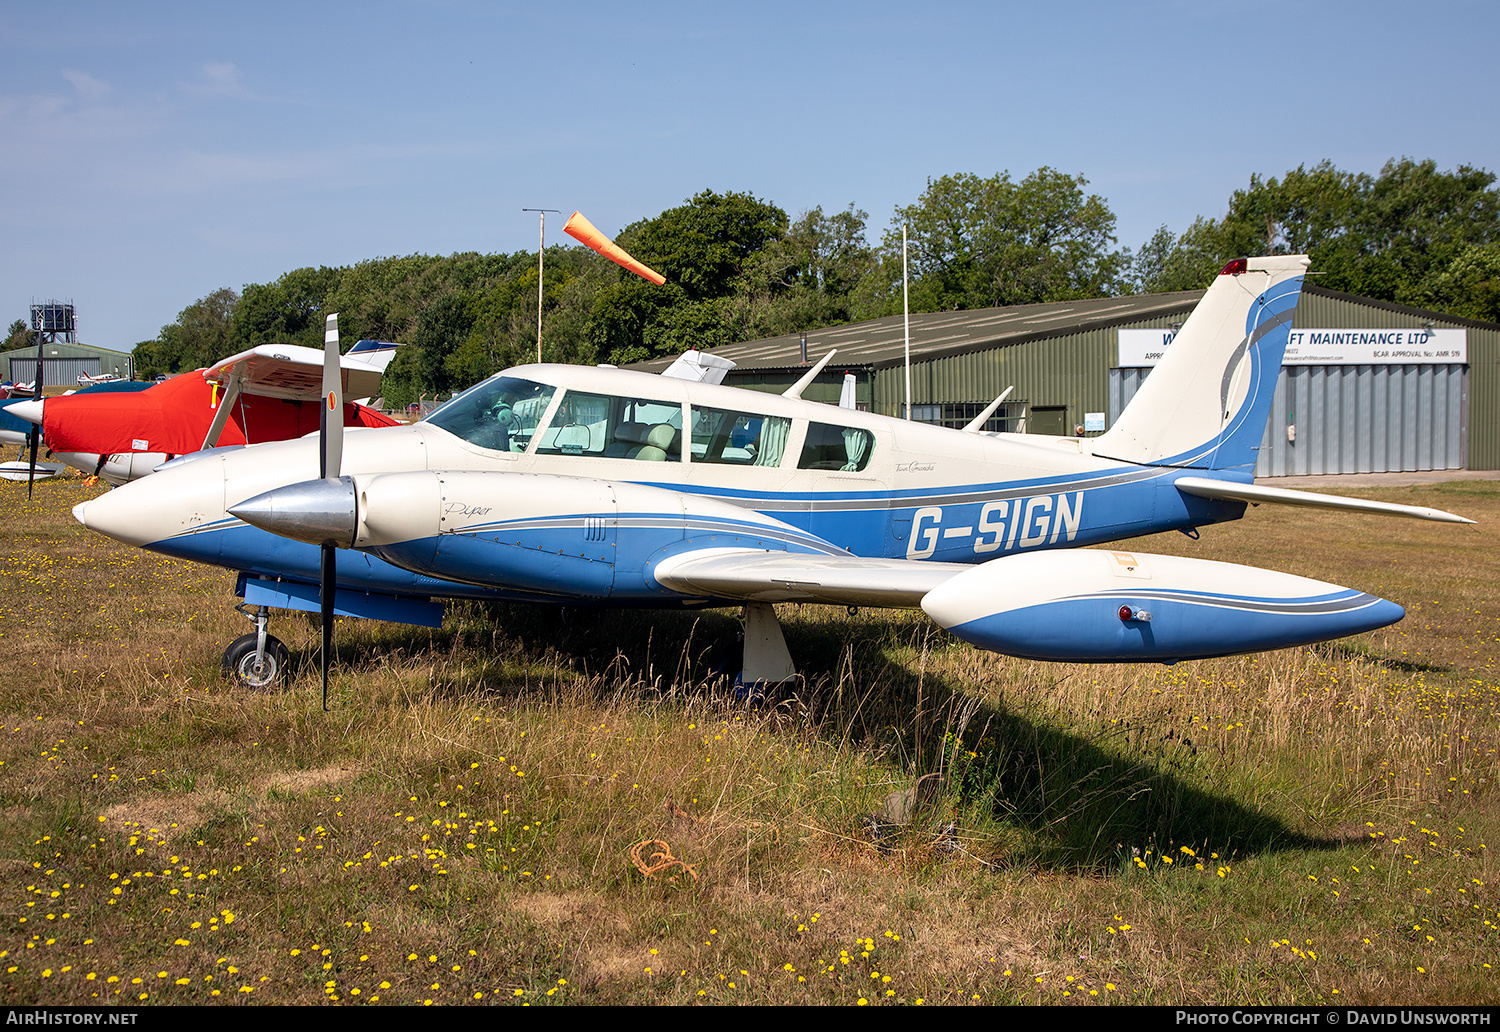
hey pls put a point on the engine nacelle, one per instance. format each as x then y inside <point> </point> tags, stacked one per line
<point>1097,606</point>
<point>574,537</point>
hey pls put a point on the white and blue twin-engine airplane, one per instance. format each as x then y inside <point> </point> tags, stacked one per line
<point>598,486</point>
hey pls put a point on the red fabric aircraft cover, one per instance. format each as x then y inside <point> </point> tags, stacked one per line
<point>172,417</point>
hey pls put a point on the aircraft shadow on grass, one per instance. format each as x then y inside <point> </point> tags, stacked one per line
<point>1082,802</point>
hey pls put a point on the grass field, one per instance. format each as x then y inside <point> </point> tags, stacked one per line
<point>534,807</point>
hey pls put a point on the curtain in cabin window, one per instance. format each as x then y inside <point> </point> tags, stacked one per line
<point>774,432</point>
<point>856,444</point>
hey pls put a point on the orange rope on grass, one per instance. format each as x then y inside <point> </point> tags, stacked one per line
<point>661,860</point>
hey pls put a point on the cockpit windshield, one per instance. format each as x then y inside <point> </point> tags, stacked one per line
<point>500,413</point>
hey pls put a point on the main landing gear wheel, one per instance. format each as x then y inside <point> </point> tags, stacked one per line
<point>246,667</point>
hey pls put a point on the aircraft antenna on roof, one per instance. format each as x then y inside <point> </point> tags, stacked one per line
<point>976,424</point>
<point>796,389</point>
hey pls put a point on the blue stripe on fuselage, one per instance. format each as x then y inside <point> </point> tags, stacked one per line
<point>555,556</point>
<point>966,524</point>
<point>972,523</point>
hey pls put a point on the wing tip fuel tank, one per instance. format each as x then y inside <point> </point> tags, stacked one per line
<point>1100,606</point>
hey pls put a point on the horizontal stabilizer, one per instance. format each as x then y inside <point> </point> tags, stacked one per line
<point>21,472</point>
<point>1202,487</point>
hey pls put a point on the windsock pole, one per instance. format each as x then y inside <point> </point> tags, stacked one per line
<point>541,247</point>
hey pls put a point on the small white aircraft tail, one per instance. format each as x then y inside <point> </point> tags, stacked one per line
<point>847,392</point>
<point>699,366</point>
<point>1205,405</point>
<point>372,354</point>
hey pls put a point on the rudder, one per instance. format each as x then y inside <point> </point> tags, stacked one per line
<point>1205,404</point>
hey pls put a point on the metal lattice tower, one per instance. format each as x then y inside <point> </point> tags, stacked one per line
<point>56,321</point>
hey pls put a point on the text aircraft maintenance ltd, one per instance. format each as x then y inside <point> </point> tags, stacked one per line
<point>599,486</point>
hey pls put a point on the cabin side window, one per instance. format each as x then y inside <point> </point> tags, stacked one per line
<point>738,438</point>
<point>500,413</point>
<point>843,448</point>
<point>608,427</point>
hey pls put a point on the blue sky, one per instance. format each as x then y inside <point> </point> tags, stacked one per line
<point>151,153</point>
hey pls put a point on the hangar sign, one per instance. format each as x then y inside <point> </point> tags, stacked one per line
<point>1327,347</point>
<point>1377,347</point>
<point>1143,347</point>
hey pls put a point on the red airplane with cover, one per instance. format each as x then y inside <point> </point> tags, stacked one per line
<point>269,393</point>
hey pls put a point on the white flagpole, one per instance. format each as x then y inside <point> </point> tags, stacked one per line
<point>906,318</point>
<point>541,247</point>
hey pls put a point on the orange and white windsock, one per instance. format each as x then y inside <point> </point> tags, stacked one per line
<point>582,230</point>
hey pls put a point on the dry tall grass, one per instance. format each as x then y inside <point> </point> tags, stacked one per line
<point>529,806</point>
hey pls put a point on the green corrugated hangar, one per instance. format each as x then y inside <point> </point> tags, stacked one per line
<point>1366,386</point>
<point>64,363</point>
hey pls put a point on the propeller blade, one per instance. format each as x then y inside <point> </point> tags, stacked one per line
<point>331,426</point>
<point>331,436</point>
<point>36,394</point>
<point>41,356</point>
<point>36,439</point>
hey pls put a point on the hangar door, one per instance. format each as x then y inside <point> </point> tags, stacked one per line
<point>1351,418</point>
<point>57,372</point>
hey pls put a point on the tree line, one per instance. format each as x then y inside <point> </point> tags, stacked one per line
<point>738,268</point>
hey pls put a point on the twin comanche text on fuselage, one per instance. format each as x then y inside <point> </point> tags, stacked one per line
<point>598,486</point>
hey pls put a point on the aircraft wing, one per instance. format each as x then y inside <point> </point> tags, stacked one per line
<point>1083,605</point>
<point>845,580</point>
<point>292,372</point>
<point>1203,487</point>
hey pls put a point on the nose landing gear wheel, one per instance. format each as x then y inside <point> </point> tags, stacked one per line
<point>258,673</point>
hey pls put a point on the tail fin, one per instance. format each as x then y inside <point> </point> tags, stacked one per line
<point>1205,405</point>
<point>373,354</point>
